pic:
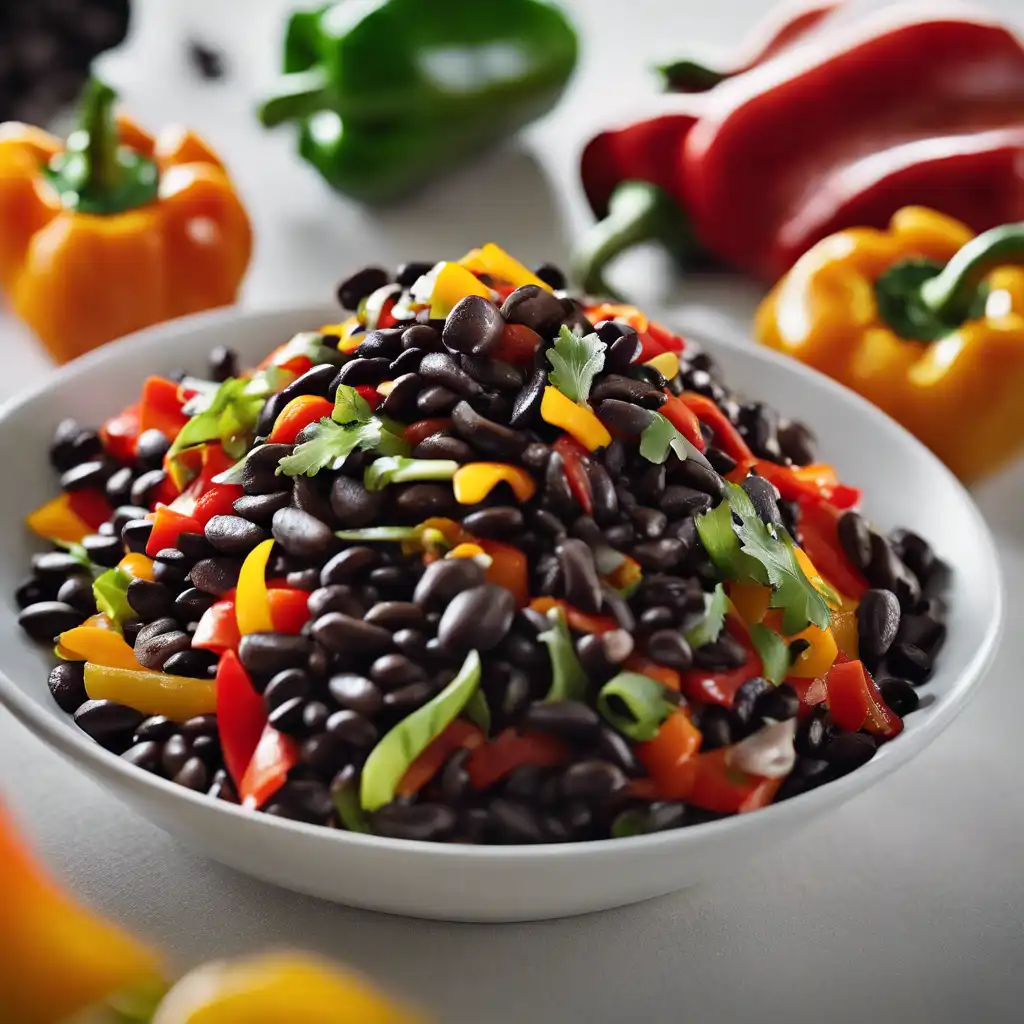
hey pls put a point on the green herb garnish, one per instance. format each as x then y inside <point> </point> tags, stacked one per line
<point>659,437</point>
<point>716,604</point>
<point>350,407</point>
<point>773,651</point>
<point>575,359</point>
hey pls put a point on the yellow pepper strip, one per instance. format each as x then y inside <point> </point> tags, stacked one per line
<point>56,521</point>
<point>252,601</point>
<point>832,597</point>
<point>954,383</point>
<point>452,284</point>
<point>348,342</point>
<point>277,987</point>
<point>574,419</point>
<point>844,629</point>
<point>41,927</point>
<point>152,693</point>
<point>666,363</point>
<point>137,565</point>
<point>474,481</point>
<point>492,259</point>
<point>97,643</point>
<point>468,550</point>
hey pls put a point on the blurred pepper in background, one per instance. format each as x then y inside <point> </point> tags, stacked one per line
<point>389,95</point>
<point>114,231</point>
<point>923,320</point>
<point>900,106</point>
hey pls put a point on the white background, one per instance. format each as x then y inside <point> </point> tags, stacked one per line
<point>905,905</point>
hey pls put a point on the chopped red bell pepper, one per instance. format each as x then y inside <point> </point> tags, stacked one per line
<point>167,527</point>
<point>574,458</point>
<point>216,500</point>
<point>819,537</point>
<point>582,622</point>
<point>160,407</point>
<point>386,318</point>
<point>459,735</point>
<point>670,757</point>
<point>120,433</point>
<point>510,750</point>
<point>719,786</point>
<point>664,338</point>
<point>372,396</point>
<point>422,429</point>
<point>90,506</point>
<point>810,483</point>
<point>241,715</point>
<point>855,702</point>
<point>299,413</point>
<point>289,609</point>
<point>810,692</point>
<point>727,437</point>
<point>517,345</point>
<point>685,420</point>
<point>508,569</point>
<point>274,757</point>
<point>218,628</point>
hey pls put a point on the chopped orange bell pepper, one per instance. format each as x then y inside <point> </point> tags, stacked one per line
<point>57,521</point>
<point>147,231</point>
<point>97,641</point>
<point>474,481</point>
<point>137,565</point>
<point>576,420</point>
<point>508,569</point>
<point>152,693</point>
<point>582,622</point>
<point>252,602</point>
<point>669,757</point>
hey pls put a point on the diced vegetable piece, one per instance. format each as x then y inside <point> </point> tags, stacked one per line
<point>168,526</point>
<point>509,750</point>
<point>669,756</point>
<point>578,421</point>
<point>241,715</point>
<point>252,603</point>
<point>459,735</point>
<point>152,693</point>
<point>56,521</point>
<point>274,757</point>
<point>474,481</point>
<point>100,644</point>
<point>299,413</point>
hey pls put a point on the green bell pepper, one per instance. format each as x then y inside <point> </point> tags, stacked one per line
<point>390,93</point>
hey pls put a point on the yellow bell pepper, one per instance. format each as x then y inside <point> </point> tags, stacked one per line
<point>56,521</point>
<point>666,363</point>
<point>252,600</point>
<point>923,320</point>
<point>59,958</point>
<point>97,641</point>
<point>152,693</point>
<point>275,988</point>
<point>474,481</point>
<point>574,419</point>
<point>492,259</point>
<point>137,565</point>
<point>344,331</point>
<point>452,284</point>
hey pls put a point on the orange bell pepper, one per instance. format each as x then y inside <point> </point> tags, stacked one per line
<point>582,622</point>
<point>508,569</point>
<point>40,927</point>
<point>669,757</point>
<point>116,231</point>
<point>56,520</point>
<point>97,641</point>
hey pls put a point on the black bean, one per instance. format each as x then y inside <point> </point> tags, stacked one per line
<point>501,521</point>
<point>34,590</point>
<point>444,579</point>
<point>660,554</point>
<point>266,654</point>
<point>309,798</point>
<point>45,620</point>
<point>287,685</point>
<point>144,486</point>
<point>536,456</point>
<point>849,751</point>
<point>421,338</point>
<point>779,704</point>
<point>813,732</point>
<point>199,725</point>
<point>151,600</point>
<point>797,442</point>
<point>287,718</point>
<point>569,718</point>
<point>910,662</point>
<point>215,575</point>
<point>764,498</point>
<point>118,487</point>
<point>352,728</point>
<point>156,642</point>
<point>582,583</point>
<point>515,822</point>
<point>533,307</point>
<point>623,351</point>
<point>698,476</point>
<point>924,631</point>
<point>887,572</point>
<point>878,621</point>
<point>724,654</point>
<point>77,592</point>
<point>627,389</point>
<point>301,534</point>
<point>400,402</point>
<point>669,647</point>
<point>260,508</point>
<point>744,700</point>
<point>191,604</point>
<point>110,724</point>
<point>407,362</point>
<point>67,685</point>
<point>233,535</point>
<point>526,407</point>
<point>410,697</point>
<point>356,693</point>
<point>193,775</point>
<point>259,473</point>
<point>55,565</point>
<point>716,727</point>
<point>477,618</point>
<point>156,728</point>
<point>72,444</point>
<point>348,565</point>
<point>343,634</point>
<point>491,439</point>
<point>436,401</point>
<point>855,539</point>
<point>145,755</point>
<point>194,546</point>
<point>648,523</point>
<point>361,371</point>
<point>679,502</point>
<point>759,423</point>
<point>193,664</point>
<point>353,505</point>
<point>551,275</point>
<point>439,369</point>
<point>335,598</point>
<point>808,773</point>
<point>474,326</point>
<point>130,628</point>
<point>422,822</point>
<point>624,416</point>
<point>592,780</point>
<point>86,476</point>
<point>557,492</point>
<point>362,283</point>
<point>223,363</point>
<point>395,615</point>
<point>150,449</point>
<point>393,671</point>
<point>493,373</point>
<point>719,461</point>
<point>900,695</point>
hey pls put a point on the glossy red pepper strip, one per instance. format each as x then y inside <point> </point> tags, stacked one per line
<point>727,437</point>
<point>855,702</point>
<point>685,420</point>
<point>510,750</point>
<point>90,506</point>
<point>819,537</point>
<point>274,757</point>
<point>217,500</point>
<point>459,735</point>
<point>160,407</point>
<point>574,458</point>
<point>218,628</point>
<point>120,433</point>
<point>372,396</point>
<point>167,527</point>
<point>241,715</point>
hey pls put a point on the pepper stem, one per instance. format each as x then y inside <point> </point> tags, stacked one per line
<point>299,94</point>
<point>97,124</point>
<point>924,301</point>
<point>637,212</point>
<point>690,76</point>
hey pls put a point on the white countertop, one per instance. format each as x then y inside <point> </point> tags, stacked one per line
<point>905,905</point>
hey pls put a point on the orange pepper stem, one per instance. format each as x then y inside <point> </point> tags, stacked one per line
<point>95,173</point>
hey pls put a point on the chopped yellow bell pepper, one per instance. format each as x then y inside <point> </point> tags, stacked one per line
<point>666,363</point>
<point>492,259</point>
<point>574,419</point>
<point>97,641</point>
<point>56,521</point>
<point>152,693</point>
<point>274,988</point>
<point>751,601</point>
<point>59,958</point>
<point>137,565</point>
<point>901,316</point>
<point>452,284</point>
<point>844,629</point>
<point>474,481</point>
<point>468,550</point>
<point>252,600</point>
<point>349,341</point>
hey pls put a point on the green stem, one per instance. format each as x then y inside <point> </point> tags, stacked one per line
<point>298,94</point>
<point>952,294</point>
<point>99,126</point>
<point>637,212</point>
<point>690,76</point>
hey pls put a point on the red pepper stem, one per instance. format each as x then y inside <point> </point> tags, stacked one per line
<point>954,292</point>
<point>637,212</point>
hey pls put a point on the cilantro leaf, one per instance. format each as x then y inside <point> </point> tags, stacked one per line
<point>576,360</point>
<point>110,591</point>
<point>716,604</point>
<point>395,469</point>
<point>350,406</point>
<point>332,443</point>
<point>717,533</point>
<point>659,436</point>
<point>773,652</point>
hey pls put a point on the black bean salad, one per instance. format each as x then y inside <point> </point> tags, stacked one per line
<point>483,563</point>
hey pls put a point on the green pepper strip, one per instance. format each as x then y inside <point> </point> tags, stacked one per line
<point>390,759</point>
<point>568,678</point>
<point>635,705</point>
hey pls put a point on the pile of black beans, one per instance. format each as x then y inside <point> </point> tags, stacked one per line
<point>387,633</point>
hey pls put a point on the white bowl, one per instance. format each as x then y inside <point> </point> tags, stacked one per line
<point>905,486</point>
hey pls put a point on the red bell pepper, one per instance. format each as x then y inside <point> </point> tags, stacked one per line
<point>90,506</point>
<point>509,569</point>
<point>386,318</point>
<point>274,757</point>
<point>289,609</point>
<point>582,622</point>
<point>160,407</point>
<point>371,395</point>
<point>668,677</point>
<point>218,628</point>
<point>459,735</point>
<point>517,344</point>
<point>670,757</point>
<point>720,687</point>
<point>685,420</point>
<point>815,483</point>
<point>894,108</point>
<point>241,715</point>
<point>298,413</point>
<point>855,702</point>
<point>719,786</point>
<point>810,692</point>
<point>819,538</point>
<point>510,750</point>
<point>574,458</point>
<point>167,527</point>
<point>727,437</point>
<point>216,500</point>
<point>422,429</point>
